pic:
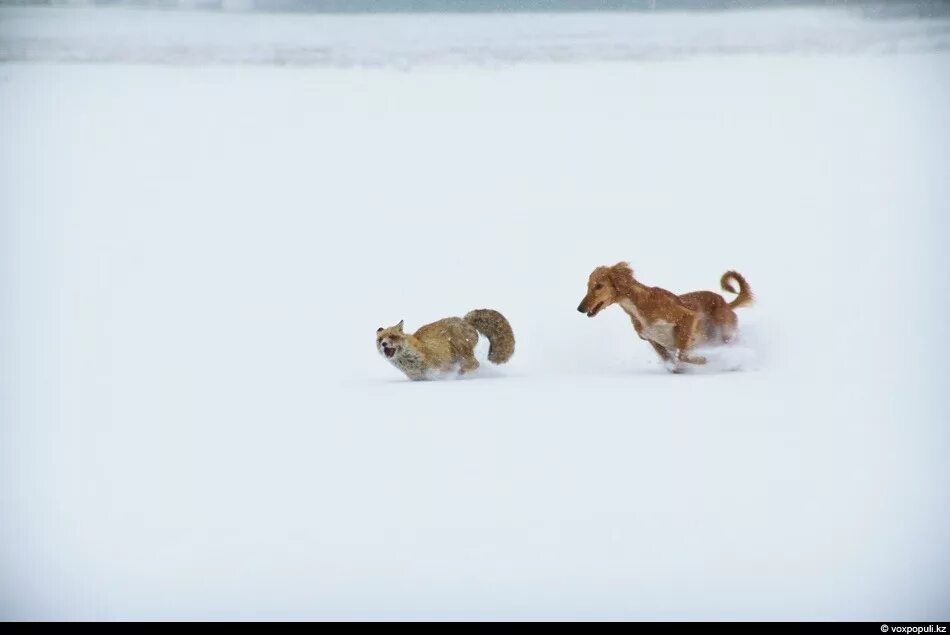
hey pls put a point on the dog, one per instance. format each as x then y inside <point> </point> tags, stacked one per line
<point>672,324</point>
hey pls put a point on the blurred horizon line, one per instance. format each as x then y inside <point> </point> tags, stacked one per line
<point>870,8</point>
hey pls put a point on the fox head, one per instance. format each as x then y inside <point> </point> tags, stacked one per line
<point>604,288</point>
<point>390,340</point>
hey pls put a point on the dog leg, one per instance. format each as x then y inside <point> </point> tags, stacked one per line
<point>728,323</point>
<point>661,351</point>
<point>684,338</point>
<point>669,360</point>
<point>685,357</point>
<point>638,327</point>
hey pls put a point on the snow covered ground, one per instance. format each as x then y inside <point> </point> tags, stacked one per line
<point>196,423</point>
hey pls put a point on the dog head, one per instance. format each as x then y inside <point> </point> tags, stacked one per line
<point>604,288</point>
<point>390,340</point>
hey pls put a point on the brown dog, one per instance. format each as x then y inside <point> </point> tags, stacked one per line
<point>673,324</point>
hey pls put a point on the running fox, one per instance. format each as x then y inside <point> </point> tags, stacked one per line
<point>446,344</point>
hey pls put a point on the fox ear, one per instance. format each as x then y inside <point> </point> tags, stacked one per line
<point>379,330</point>
<point>399,326</point>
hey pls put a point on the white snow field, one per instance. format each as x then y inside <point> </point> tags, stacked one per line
<point>195,258</point>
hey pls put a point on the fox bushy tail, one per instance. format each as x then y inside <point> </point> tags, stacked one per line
<point>744,293</point>
<point>496,328</point>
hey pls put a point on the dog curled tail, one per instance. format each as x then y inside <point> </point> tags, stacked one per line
<point>496,328</point>
<point>744,293</point>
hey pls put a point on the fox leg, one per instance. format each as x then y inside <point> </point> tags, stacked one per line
<point>463,347</point>
<point>468,363</point>
<point>466,357</point>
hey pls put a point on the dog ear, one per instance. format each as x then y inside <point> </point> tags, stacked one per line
<point>621,275</point>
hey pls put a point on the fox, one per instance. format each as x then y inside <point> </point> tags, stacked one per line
<point>447,344</point>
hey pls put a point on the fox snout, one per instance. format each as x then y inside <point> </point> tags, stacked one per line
<point>580,307</point>
<point>387,348</point>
